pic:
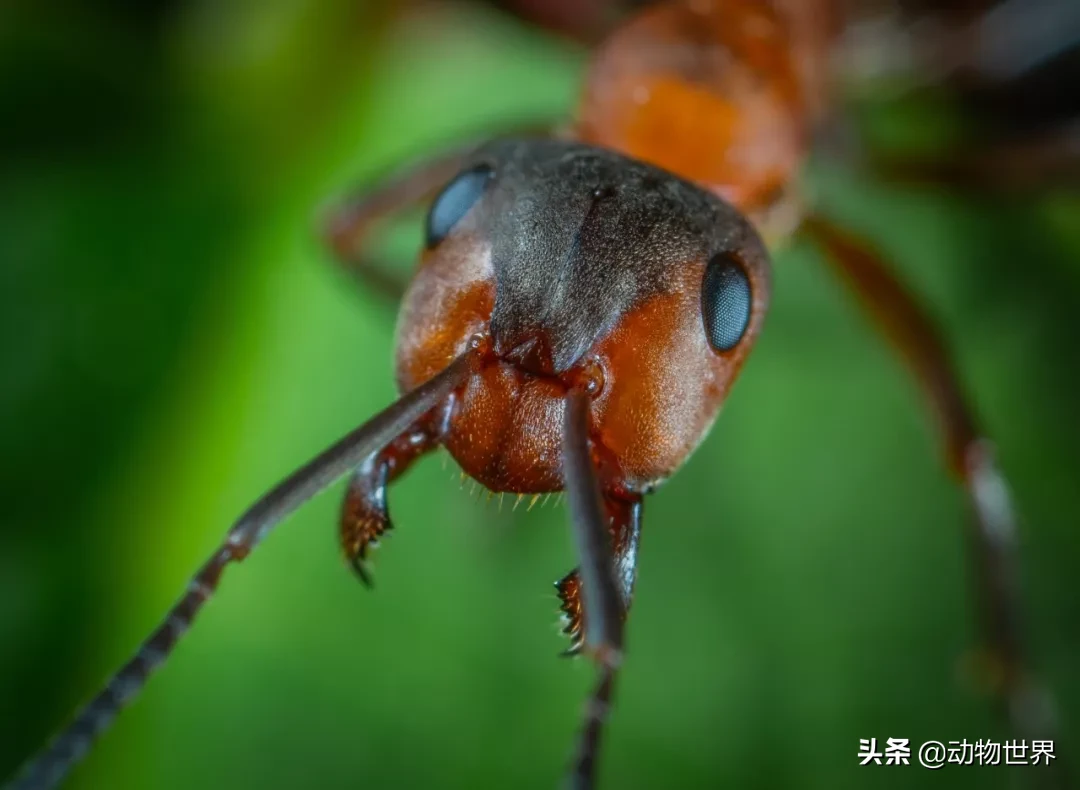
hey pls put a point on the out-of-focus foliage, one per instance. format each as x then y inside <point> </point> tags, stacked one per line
<point>173,340</point>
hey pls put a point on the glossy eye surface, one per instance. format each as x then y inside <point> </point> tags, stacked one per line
<point>726,301</point>
<point>454,202</point>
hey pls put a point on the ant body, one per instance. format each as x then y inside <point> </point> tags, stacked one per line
<point>582,307</point>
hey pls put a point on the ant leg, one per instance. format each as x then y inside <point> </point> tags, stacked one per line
<point>1013,164</point>
<point>969,457</point>
<point>600,589</point>
<point>364,513</point>
<point>585,22</point>
<point>624,527</point>
<point>349,222</point>
<point>50,766</point>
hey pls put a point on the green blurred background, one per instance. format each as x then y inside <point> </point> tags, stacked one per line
<point>173,340</point>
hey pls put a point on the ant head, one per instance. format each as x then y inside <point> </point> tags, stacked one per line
<point>578,266</point>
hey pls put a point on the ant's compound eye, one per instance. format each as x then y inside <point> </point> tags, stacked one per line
<point>725,302</point>
<point>454,202</point>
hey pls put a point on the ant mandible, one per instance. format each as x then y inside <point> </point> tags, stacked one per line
<point>584,303</point>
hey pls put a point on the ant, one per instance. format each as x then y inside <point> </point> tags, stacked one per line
<point>583,305</point>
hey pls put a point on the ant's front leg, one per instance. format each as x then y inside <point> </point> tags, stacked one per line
<point>624,526</point>
<point>969,457</point>
<point>348,224</point>
<point>364,513</point>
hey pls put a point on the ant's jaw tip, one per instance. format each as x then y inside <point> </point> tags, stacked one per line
<point>363,574</point>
